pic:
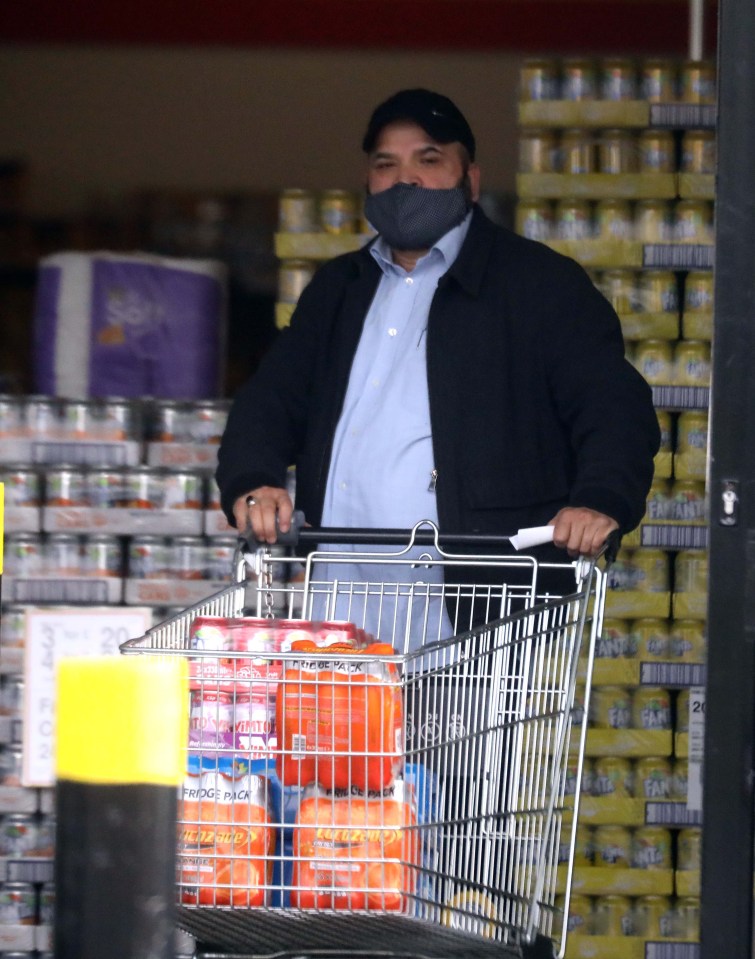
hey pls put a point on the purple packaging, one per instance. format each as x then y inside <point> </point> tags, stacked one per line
<point>132,325</point>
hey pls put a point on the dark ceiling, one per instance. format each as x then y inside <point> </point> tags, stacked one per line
<point>519,26</point>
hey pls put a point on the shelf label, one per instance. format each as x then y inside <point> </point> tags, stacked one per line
<point>51,635</point>
<point>29,870</point>
<point>696,740</point>
<point>91,453</point>
<point>672,950</point>
<point>671,814</point>
<point>672,674</point>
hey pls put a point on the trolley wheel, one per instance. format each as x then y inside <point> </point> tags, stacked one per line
<point>540,948</point>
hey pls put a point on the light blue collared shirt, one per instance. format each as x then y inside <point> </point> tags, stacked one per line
<point>381,467</point>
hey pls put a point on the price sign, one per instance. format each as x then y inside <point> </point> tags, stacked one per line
<point>52,634</point>
<point>696,741</point>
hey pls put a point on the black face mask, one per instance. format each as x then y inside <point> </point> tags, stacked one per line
<point>414,217</point>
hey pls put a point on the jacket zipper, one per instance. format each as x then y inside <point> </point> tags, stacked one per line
<point>433,481</point>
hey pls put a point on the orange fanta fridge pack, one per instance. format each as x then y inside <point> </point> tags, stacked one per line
<point>296,715</point>
<point>340,722</point>
<point>355,851</point>
<point>360,723</point>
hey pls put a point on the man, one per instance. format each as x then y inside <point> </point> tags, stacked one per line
<point>451,370</point>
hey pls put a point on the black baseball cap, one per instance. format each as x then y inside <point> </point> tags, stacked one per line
<point>436,114</point>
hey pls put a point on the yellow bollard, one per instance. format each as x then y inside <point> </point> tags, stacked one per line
<point>122,729</point>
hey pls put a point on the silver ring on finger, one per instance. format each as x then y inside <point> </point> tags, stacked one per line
<point>251,501</point>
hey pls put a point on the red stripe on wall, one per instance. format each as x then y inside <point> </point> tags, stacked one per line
<point>526,26</point>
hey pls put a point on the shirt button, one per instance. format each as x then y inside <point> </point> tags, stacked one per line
<point>376,382</point>
<point>409,281</point>
<point>344,485</point>
<point>393,331</point>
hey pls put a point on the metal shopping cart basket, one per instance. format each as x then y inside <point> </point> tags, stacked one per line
<point>409,790</point>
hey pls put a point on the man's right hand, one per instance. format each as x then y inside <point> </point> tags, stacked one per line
<point>257,510</point>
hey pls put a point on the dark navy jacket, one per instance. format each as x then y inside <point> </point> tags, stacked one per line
<point>532,403</point>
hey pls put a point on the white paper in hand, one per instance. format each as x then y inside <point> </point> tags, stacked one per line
<point>533,536</point>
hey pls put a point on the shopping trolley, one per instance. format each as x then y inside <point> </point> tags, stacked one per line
<point>403,791</point>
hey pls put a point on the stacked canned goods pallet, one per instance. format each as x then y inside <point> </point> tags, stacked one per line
<point>27,832</point>
<point>97,506</point>
<point>313,226</point>
<point>617,160</point>
<point>107,501</point>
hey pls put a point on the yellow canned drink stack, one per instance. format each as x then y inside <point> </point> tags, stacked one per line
<point>587,787</point>
<point>699,152</point>
<point>618,79</point>
<point>613,916</point>
<point>534,219</point>
<point>610,707</point>
<point>658,291</point>
<point>691,571</point>
<point>578,79</point>
<point>621,573</point>
<point>614,776</point>
<point>653,221</point>
<point>573,219</point>
<point>658,81</point>
<point>659,501</point>
<point>584,847</point>
<point>613,220</point>
<point>682,711</point>
<point>654,917</point>
<point>688,501</point>
<point>687,640</point>
<point>692,432</point>
<point>297,211</point>
<point>619,288</point>
<point>688,918</point>
<point>657,151</point>
<point>338,211</point>
<point>538,151</point>
<point>617,152</point>
<point>651,708</point>
<point>293,276</point>
<point>697,82</point>
<point>613,642</point>
<point>538,80</point>
<point>613,847</point>
<point>679,779</point>
<point>692,363</point>
<point>652,567</point>
<point>649,639</point>
<point>654,360</point>
<point>693,221</point>
<point>665,423</point>
<point>579,920</point>
<point>651,848</point>
<point>653,778</point>
<point>577,151</point>
<point>689,849</point>
<point>698,292</point>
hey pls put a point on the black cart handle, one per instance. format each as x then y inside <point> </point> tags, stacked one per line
<point>301,534</point>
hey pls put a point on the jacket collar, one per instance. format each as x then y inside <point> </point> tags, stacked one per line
<point>468,269</point>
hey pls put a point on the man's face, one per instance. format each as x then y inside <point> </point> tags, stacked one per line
<point>404,153</point>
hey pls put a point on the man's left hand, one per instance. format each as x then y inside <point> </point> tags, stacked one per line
<point>581,531</point>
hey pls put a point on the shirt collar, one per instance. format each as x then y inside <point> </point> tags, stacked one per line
<point>447,247</point>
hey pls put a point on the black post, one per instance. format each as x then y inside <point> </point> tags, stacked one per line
<point>729,759</point>
<point>121,735</point>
